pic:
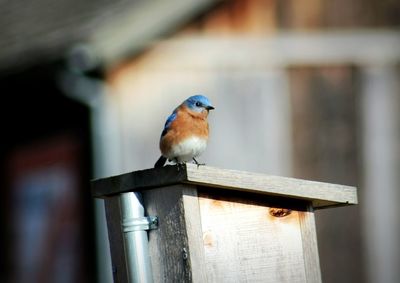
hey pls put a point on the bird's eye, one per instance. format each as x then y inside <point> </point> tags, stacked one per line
<point>198,104</point>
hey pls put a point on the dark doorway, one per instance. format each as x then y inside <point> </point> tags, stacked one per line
<point>45,208</point>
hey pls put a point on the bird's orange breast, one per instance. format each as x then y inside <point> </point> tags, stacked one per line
<point>187,124</point>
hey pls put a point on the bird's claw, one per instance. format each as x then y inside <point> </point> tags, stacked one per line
<point>197,163</point>
<point>179,165</point>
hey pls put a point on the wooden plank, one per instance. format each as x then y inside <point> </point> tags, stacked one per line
<point>167,243</point>
<point>194,233</point>
<point>138,180</point>
<point>176,246</point>
<point>244,243</point>
<point>324,104</point>
<point>380,116</point>
<point>276,51</point>
<point>299,15</point>
<point>310,246</point>
<point>212,235</point>
<point>321,194</point>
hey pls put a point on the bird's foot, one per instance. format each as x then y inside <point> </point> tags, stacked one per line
<point>179,165</point>
<point>197,163</point>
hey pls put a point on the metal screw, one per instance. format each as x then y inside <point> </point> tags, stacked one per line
<point>184,254</point>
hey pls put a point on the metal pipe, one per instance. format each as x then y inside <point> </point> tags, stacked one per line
<point>135,239</point>
<point>106,157</point>
<point>105,132</point>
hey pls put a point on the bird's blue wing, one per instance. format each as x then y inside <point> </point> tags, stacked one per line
<point>170,119</point>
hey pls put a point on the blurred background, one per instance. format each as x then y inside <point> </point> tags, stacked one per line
<point>307,89</point>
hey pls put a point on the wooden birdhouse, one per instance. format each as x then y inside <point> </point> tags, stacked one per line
<point>206,224</point>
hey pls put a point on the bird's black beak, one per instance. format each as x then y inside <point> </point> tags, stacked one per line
<point>210,108</point>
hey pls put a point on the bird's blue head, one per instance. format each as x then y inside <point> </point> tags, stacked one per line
<point>198,103</point>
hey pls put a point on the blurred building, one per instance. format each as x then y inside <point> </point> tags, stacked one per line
<point>308,89</point>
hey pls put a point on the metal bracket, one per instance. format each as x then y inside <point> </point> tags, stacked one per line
<point>139,224</point>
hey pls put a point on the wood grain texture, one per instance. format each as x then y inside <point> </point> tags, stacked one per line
<point>244,243</point>
<point>214,235</point>
<point>325,104</point>
<point>168,242</point>
<point>320,194</point>
<point>310,246</point>
<point>194,233</point>
<point>138,180</point>
<point>176,246</point>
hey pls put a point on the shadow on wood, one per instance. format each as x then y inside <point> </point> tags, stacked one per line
<point>216,225</point>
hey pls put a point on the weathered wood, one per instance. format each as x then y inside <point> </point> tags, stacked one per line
<point>244,243</point>
<point>168,242</point>
<point>194,233</point>
<point>310,247</point>
<point>176,246</point>
<point>138,180</point>
<point>320,194</point>
<point>208,235</point>
<point>324,105</point>
<point>216,225</point>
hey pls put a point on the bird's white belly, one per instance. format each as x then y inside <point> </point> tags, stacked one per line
<point>187,149</point>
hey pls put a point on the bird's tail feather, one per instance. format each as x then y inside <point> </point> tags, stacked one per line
<point>160,162</point>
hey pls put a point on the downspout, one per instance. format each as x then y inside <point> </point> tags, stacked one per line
<point>95,94</point>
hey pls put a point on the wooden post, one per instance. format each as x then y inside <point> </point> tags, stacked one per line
<point>217,225</point>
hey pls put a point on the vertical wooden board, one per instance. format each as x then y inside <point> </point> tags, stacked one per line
<point>310,246</point>
<point>324,101</point>
<point>300,14</point>
<point>116,239</point>
<point>176,246</point>
<point>244,243</point>
<point>194,234</point>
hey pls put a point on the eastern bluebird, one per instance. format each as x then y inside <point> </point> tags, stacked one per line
<point>185,132</point>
